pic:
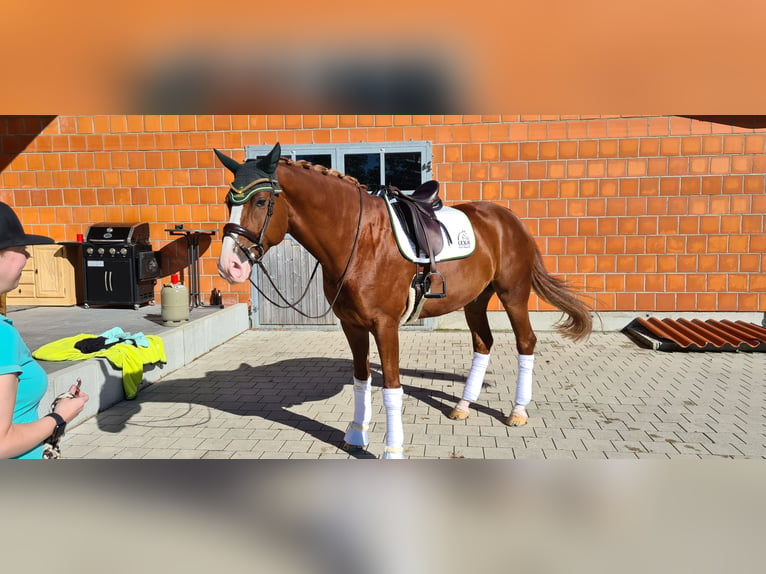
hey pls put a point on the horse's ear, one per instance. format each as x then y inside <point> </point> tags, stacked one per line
<point>231,165</point>
<point>269,162</point>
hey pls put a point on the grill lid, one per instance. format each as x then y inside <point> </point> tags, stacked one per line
<point>106,232</point>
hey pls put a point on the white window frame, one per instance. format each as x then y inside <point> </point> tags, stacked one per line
<point>337,152</point>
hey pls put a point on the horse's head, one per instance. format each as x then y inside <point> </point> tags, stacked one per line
<point>255,220</point>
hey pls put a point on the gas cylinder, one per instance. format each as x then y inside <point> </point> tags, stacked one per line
<point>175,302</point>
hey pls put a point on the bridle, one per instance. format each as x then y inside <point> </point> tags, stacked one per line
<point>237,196</point>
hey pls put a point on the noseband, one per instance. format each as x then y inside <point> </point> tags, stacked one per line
<point>238,196</point>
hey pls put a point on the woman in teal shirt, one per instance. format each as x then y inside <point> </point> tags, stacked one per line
<point>23,381</point>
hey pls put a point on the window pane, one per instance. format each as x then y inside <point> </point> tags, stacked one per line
<point>403,170</point>
<point>324,159</point>
<point>365,167</point>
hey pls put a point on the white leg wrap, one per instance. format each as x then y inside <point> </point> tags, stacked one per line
<point>392,400</point>
<point>475,377</point>
<point>356,434</point>
<point>524,380</point>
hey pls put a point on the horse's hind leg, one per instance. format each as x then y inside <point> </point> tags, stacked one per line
<point>518,313</point>
<point>357,432</point>
<point>476,317</point>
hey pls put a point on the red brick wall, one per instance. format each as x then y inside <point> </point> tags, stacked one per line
<point>642,213</point>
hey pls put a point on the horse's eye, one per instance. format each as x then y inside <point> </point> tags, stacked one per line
<point>260,203</point>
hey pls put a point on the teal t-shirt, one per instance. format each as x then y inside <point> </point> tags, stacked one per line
<point>33,380</point>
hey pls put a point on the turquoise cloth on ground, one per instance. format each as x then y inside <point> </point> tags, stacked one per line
<point>117,335</point>
<point>125,356</point>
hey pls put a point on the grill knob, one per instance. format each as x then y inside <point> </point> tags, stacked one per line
<point>123,251</point>
<point>100,250</point>
<point>89,251</point>
<point>112,251</point>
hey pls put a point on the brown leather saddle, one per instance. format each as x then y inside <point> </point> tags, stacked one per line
<point>417,213</point>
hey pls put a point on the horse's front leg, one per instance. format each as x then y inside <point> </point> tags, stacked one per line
<point>387,340</point>
<point>359,341</point>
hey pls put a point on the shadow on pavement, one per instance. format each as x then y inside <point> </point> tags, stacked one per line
<point>269,391</point>
<point>266,391</point>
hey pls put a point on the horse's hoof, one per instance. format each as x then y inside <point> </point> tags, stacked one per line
<point>518,418</point>
<point>516,421</point>
<point>393,453</point>
<point>356,435</point>
<point>458,415</point>
<point>352,447</point>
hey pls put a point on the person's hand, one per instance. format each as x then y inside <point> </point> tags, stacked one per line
<point>70,408</point>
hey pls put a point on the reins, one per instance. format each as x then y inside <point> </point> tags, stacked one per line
<point>231,229</point>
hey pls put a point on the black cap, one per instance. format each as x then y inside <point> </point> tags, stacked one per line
<point>12,233</point>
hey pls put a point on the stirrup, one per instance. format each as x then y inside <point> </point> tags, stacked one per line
<point>427,286</point>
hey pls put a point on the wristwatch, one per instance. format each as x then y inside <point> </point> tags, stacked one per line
<point>58,432</point>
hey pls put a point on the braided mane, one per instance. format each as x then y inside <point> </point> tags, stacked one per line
<point>323,170</point>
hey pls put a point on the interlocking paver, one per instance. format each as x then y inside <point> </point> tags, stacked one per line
<point>78,451</point>
<point>529,453</point>
<point>567,444</point>
<point>589,455</point>
<point>158,453</point>
<point>428,439</point>
<point>621,455</point>
<point>577,433</point>
<point>658,447</point>
<point>217,454</point>
<point>482,441</point>
<point>510,441</point>
<point>604,435</point>
<point>214,444</point>
<point>287,394</point>
<point>548,432</point>
<point>559,454</point>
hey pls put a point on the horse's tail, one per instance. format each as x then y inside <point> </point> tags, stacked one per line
<point>556,292</point>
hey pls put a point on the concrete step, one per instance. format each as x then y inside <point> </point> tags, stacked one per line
<point>206,329</point>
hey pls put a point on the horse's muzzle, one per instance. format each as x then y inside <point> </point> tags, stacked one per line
<point>230,266</point>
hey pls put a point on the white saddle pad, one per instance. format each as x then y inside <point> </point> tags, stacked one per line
<point>463,240</point>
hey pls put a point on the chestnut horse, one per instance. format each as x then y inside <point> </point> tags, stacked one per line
<point>367,280</point>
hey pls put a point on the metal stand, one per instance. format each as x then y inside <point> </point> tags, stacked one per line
<point>192,260</point>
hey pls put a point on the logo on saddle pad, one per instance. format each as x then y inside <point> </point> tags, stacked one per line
<point>463,241</point>
<point>457,233</point>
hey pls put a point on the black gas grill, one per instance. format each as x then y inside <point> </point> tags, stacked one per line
<point>119,265</point>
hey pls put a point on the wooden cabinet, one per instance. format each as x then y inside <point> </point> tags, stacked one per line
<point>49,277</point>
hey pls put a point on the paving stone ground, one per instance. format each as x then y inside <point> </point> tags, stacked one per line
<point>286,394</point>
